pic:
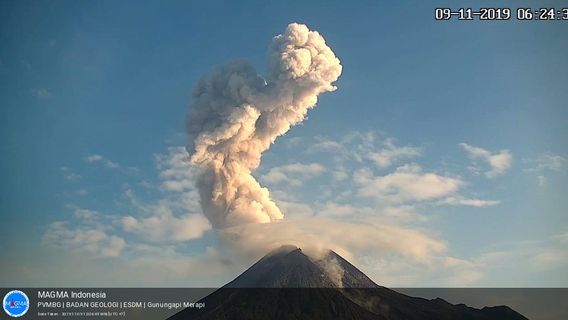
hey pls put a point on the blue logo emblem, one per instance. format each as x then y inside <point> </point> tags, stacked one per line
<point>16,303</point>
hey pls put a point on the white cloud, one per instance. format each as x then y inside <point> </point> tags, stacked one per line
<point>327,145</point>
<point>83,240</point>
<point>360,146</point>
<point>539,257</point>
<point>93,158</point>
<point>111,164</point>
<point>175,217</point>
<point>171,218</point>
<point>460,201</point>
<point>388,234</point>
<point>348,238</point>
<point>90,232</point>
<point>167,227</point>
<point>499,162</point>
<point>176,172</point>
<point>549,162</point>
<point>407,183</point>
<point>390,254</point>
<point>41,93</point>
<point>544,165</point>
<point>294,174</point>
<point>69,175</point>
<point>391,214</point>
<point>385,156</point>
<point>97,158</point>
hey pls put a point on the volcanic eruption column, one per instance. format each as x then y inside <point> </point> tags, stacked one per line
<point>235,116</point>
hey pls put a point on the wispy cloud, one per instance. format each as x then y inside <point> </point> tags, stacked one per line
<point>97,158</point>
<point>474,202</point>
<point>82,192</point>
<point>544,165</point>
<point>499,162</point>
<point>407,183</point>
<point>41,93</point>
<point>175,171</point>
<point>85,214</point>
<point>173,218</point>
<point>164,226</point>
<point>382,210</point>
<point>360,146</point>
<point>293,174</point>
<point>549,162</point>
<point>541,180</point>
<point>539,258</point>
<point>69,174</point>
<point>390,153</point>
<point>94,158</point>
<point>349,238</point>
<point>176,216</point>
<point>85,239</point>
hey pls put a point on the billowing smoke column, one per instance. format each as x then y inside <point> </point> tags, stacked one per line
<point>236,115</point>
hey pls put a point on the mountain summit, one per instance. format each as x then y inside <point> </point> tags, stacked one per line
<point>289,267</point>
<point>288,284</point>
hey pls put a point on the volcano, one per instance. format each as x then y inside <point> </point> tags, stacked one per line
<point>287,284</point>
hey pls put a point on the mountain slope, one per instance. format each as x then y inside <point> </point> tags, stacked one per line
<point>286,284</point>
<point>285,267</point>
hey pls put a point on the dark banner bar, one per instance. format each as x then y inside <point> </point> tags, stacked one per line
<point>162,303</point>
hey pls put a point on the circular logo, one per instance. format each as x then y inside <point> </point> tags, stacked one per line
<point>16,303</point>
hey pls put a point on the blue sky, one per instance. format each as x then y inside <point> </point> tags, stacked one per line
<point>93,103</point>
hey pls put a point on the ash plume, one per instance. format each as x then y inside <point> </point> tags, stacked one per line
<point>236,114</point>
